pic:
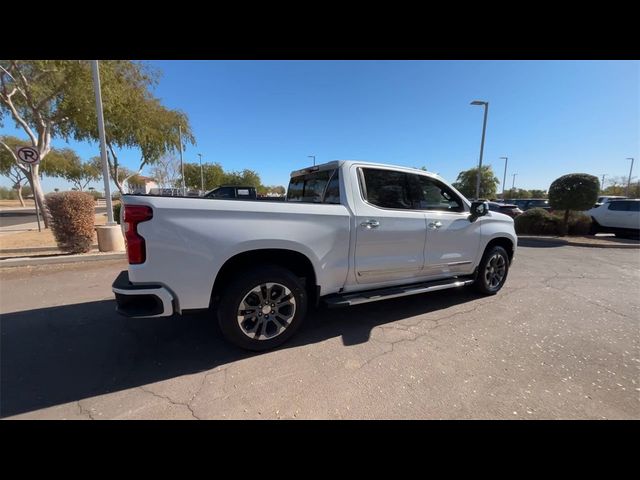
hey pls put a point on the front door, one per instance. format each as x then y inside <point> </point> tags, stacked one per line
<point>390,235</point>
<point>452,240</point>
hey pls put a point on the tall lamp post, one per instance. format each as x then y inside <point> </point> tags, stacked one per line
<point>504,178</point>
<point>314,159</point>
<point>513,184</point>
<point>184,188</point>
<point>103,144</point>
<point>629,181</point>
<point>484,129</point>
<point>201,174</point>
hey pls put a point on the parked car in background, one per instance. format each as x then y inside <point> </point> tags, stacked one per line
<point>608,198</point>
<point>621,217</point>
<point>230,192</point>
<point>507,208</point>
<point>525,204</point>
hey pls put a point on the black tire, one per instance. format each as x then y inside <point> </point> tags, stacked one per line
<point>482,284</point>
<point>595,227</point>
<point>241,288</point>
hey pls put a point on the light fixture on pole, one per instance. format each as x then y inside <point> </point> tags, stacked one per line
<point>504,178</point>
<point>314,159</point>
<point>201,174</point>
<point>103,142</point>
<point>629,181</point>
<point>484,129</point>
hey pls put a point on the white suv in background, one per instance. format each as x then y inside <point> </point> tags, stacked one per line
<point>621,217</point>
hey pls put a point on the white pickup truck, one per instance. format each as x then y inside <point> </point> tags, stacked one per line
<point>350,232</point>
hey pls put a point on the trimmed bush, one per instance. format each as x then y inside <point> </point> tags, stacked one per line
<point>575,191</point>
<point>536,221</point>
<point>117,206</point>
<point>73,218</point>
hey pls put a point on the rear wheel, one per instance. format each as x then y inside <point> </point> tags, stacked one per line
<point>594,227</point>
<point>263,308</point>
<point>492,271</point>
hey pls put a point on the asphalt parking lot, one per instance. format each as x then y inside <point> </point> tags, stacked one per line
<point>560,341</point>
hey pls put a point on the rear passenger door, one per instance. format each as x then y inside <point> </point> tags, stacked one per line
<point>390,234</point>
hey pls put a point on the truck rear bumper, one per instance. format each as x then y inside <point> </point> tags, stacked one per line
<point>134,300</point>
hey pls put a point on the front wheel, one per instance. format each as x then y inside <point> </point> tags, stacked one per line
<point>262,308</point>
<point>492,271</point>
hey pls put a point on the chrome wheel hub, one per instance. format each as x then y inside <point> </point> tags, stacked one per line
<point>495,271</point>
<point>266,311</point>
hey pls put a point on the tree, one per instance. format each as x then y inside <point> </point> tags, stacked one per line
<point>33,94</point>
<point>213,174</point>
<point>134,118</point>
<point>466,182</point>
<point>246,177</point>
<point>9,167</point>
<point>517,193</point>
<point>166,171</point>
<point>48,98</point>
<point>69,166</point>
<point>575,191</point>
<point>538,193</point>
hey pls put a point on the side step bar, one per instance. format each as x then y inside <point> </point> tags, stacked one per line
<point>357,298</point>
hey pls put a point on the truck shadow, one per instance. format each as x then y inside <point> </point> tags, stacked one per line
<point>56,355</point>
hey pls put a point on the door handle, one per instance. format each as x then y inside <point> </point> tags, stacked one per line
<point>434,225</point>
<point>369,224</point>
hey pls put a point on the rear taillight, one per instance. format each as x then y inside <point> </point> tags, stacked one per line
<point>133,215</point>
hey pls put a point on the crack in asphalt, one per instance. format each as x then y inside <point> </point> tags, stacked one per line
<point>196,393</point>
<point>438,323</point>
<point>171,401</point>
<point>84,411</point>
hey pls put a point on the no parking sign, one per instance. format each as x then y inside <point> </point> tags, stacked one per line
<point>28,155</point>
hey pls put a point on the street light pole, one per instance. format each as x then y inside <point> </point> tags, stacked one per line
<point>184,189</point>
<point>484,129</point>
<point>513,184</point>
<point>201,174</point>
<point>504,177</point>
<point>314,159</point>
<point>629,181</point>
<point>103,142</point>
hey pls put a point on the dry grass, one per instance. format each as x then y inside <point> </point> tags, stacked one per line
<point>39,239</point>
<point>16,203</point>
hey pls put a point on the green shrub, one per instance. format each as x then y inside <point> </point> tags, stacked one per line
<point>536,221</point>
<point>579,223</point>
<point>117,206</point>
<point>73,218</point>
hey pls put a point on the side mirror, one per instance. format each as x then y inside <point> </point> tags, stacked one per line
<point>478,209</point>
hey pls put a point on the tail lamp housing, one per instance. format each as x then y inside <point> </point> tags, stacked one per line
<point>133,215</point>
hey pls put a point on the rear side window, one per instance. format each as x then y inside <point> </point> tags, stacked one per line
<point>386,188</point>
<point>619,206</point>
<point>316,187</point>
<point>633,206</point>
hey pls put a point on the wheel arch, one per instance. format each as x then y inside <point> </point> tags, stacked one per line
<point>504,242</point>
<point>298,263</point>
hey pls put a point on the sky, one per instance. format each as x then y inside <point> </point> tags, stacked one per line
<point>548,117</point>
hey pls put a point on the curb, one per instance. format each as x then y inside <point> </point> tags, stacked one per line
<point>34,249</point>
<point>31,261</point>
<point>560,241</point>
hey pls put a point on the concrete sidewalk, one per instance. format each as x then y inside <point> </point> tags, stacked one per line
<point>61,258</point>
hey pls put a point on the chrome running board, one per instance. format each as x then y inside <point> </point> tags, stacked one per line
<point>349,299</point>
